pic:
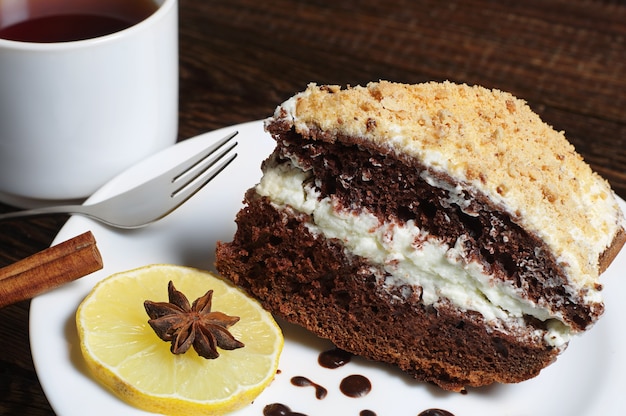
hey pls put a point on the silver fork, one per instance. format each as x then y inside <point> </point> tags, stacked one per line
<point>155,198</point>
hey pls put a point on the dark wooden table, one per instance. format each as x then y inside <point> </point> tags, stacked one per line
<point>240,58</point>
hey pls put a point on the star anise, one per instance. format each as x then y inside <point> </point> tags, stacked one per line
<point>194,325</point>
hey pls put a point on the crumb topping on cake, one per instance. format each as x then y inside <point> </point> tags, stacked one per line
<point>487,140</point>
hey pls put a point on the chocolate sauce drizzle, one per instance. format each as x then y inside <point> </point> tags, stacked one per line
<point>320,392</point>
<point>334,358</point>
<point>277,409</point>
<point>435,412</point>
<point>355,385</point>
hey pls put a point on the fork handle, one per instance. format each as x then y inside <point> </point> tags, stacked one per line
<point>59,209</point>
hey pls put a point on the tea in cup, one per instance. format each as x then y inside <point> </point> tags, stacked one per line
<point>87,89</point>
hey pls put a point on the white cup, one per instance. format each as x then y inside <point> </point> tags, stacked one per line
<point>74,114</point>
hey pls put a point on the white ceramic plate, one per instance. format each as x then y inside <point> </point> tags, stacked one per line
<point>586,380</point>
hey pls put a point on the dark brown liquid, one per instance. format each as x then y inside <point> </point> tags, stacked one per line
<point>92,19</point>
<point>334,358</point>
<point>277,409</point>
<point>367,413</point>
<point>320,392</point>
<point>435,412</point>
<point>355,386</point>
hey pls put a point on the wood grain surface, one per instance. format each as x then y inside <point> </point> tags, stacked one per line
<point>241,58</point>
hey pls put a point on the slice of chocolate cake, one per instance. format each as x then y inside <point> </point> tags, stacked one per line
<point>438,227</point>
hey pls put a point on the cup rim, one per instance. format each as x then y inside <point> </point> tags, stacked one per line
<point>163,8</point>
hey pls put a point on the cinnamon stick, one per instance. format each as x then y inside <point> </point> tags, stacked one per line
<point>49,269</point>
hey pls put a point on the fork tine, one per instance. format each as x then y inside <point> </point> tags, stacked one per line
<point>190,163</point>
<point>204,175</point>
<point>200,165</point>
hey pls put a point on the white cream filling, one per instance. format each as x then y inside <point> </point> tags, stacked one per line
<point>408,254</point>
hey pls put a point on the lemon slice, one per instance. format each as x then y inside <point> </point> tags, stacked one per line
<point>124,353</point>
